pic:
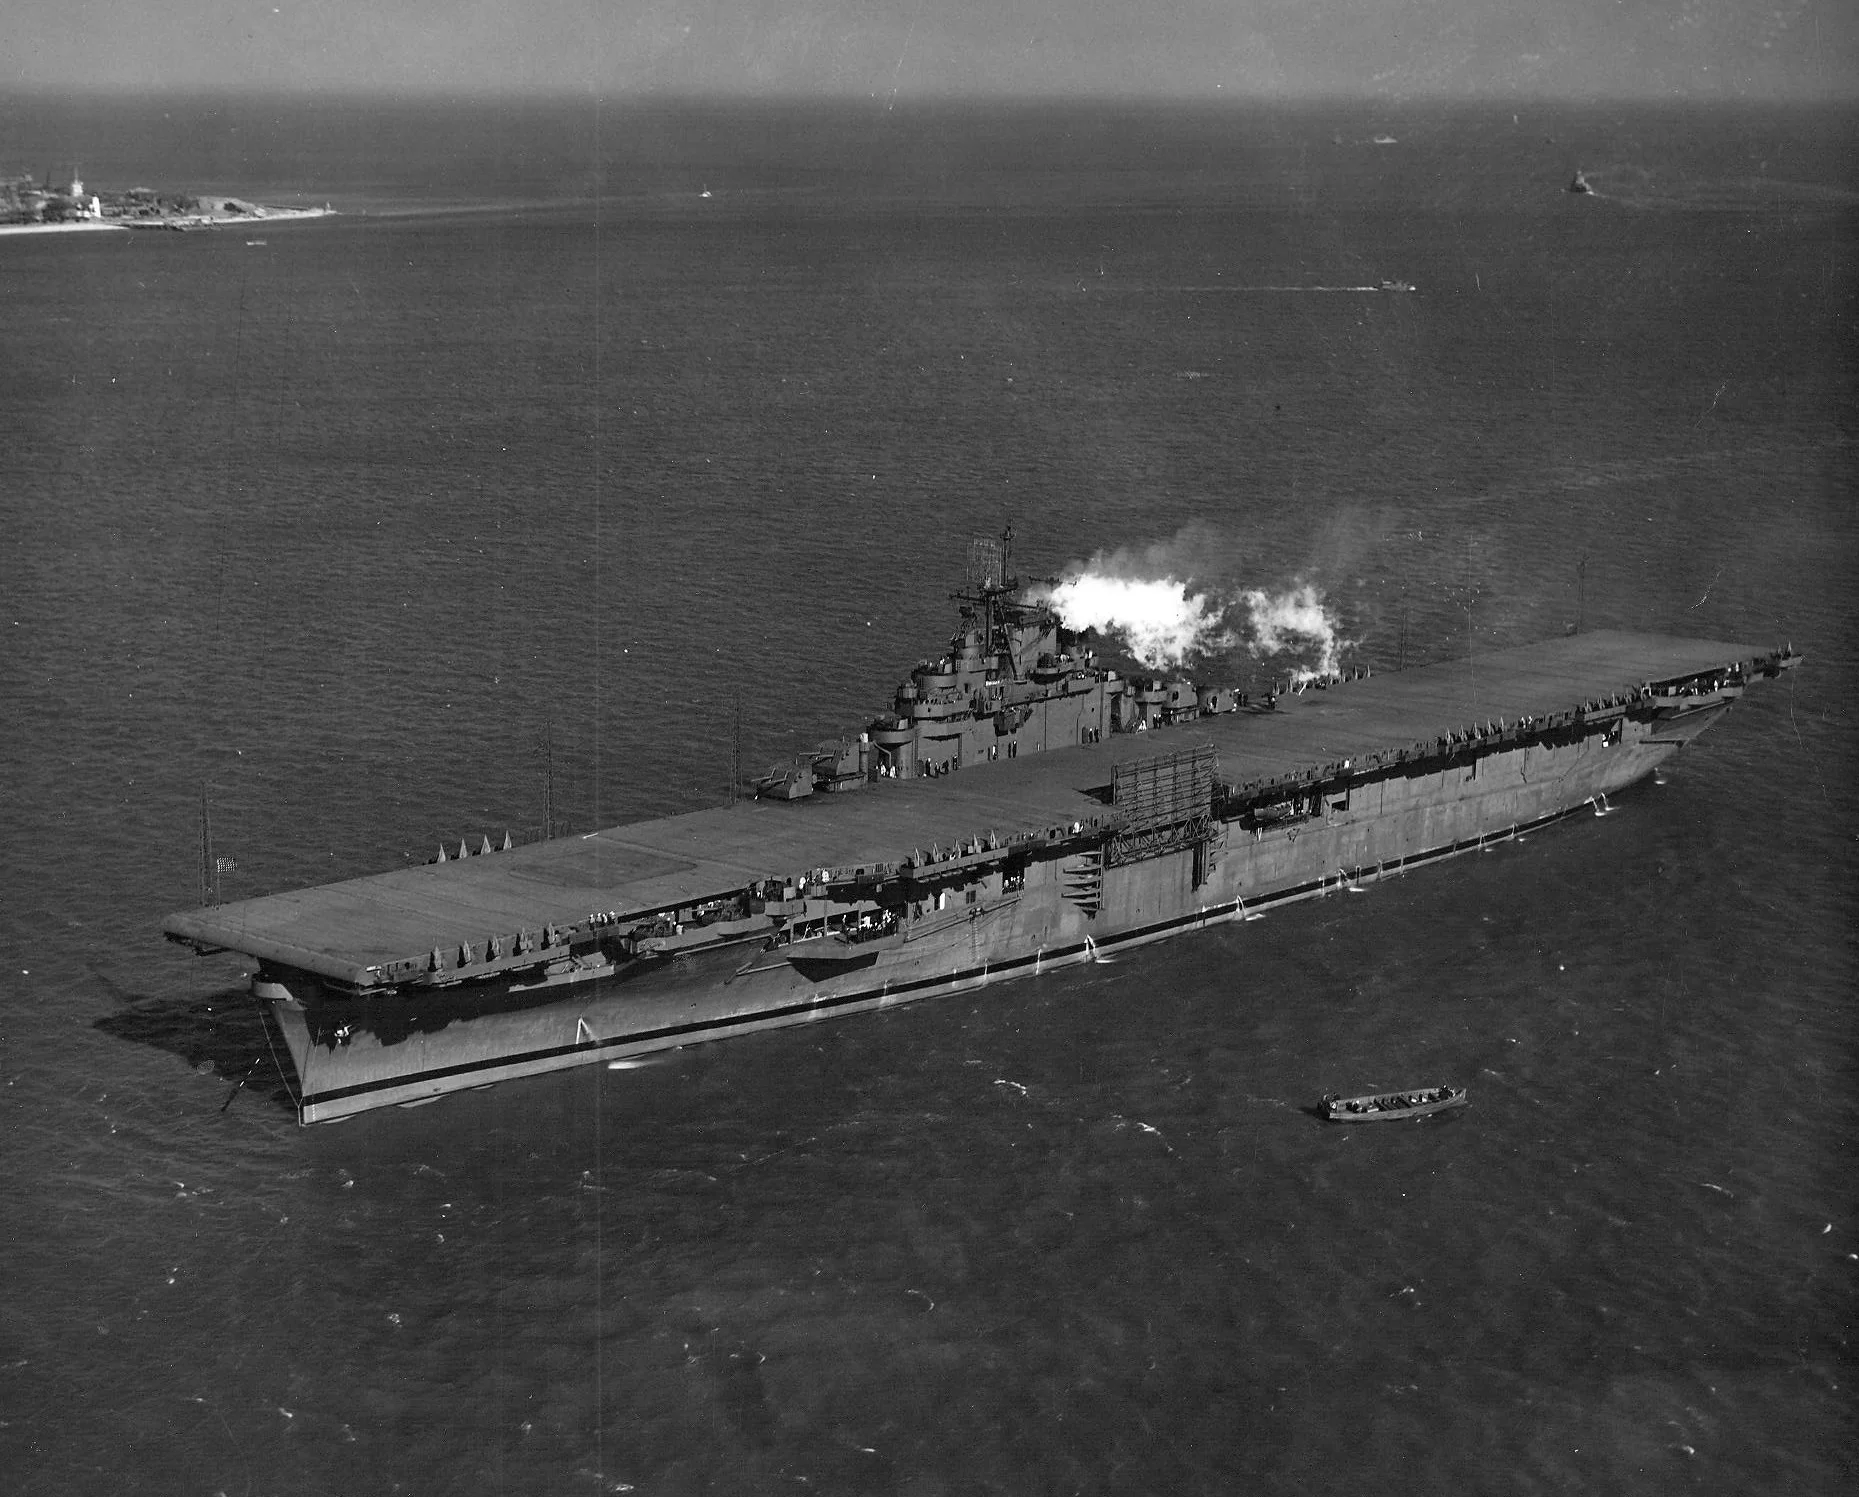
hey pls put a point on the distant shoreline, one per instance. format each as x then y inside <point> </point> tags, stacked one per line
<point>174,221</point>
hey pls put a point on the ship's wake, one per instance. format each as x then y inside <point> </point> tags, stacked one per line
<point>1165,617</point>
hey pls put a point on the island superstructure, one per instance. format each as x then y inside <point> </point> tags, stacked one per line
<point>1021,808</point>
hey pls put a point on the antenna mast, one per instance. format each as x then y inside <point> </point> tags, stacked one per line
<point>735,754</point>
<point>209,869</point>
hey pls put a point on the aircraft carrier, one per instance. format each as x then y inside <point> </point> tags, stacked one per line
<point>1021,808</point>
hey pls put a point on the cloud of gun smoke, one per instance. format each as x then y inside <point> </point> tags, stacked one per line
<point>1160,619</point>
<point>1164,617</point>
<point>1294,620</point>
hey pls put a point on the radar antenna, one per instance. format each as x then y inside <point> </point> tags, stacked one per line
<point>988,582</point>
<point>986,564</point>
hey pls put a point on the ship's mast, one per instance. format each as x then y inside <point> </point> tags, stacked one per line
<point>988,582</point>
<point>209,873</point>
<point>545,749</point>
<point>735,753</point>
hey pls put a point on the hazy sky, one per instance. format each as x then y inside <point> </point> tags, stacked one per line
<point>1188,48</point>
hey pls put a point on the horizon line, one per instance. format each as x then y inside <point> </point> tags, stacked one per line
<point>89,92</point>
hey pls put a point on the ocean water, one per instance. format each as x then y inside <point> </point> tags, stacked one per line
<point>334,522</point>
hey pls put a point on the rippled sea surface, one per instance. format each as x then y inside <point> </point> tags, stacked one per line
<point>331,523</point>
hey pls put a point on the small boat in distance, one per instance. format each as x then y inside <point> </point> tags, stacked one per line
<point>1578,184</point>
<point>1386,1107</point>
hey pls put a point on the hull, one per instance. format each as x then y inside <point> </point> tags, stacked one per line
<point>354,1054</point>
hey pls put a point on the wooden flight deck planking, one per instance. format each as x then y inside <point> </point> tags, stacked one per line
<point>349,930</point>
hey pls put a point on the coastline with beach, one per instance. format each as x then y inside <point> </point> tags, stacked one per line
<point>181,222</point>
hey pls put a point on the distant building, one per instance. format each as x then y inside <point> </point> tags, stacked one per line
<point>61,206</point>
<point>72,202</point>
